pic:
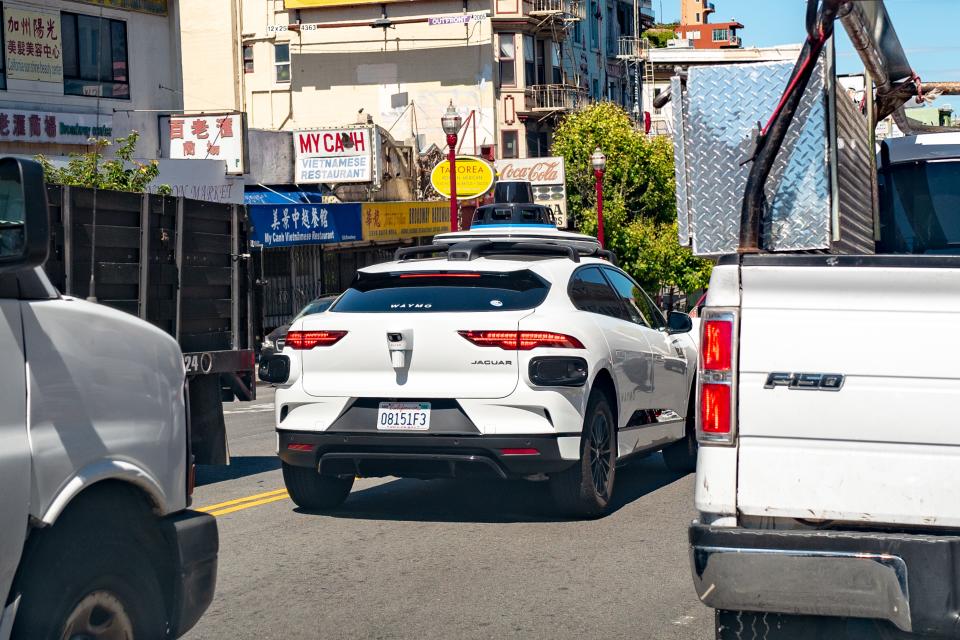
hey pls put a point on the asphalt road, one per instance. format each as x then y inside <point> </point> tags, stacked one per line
<point>443,559</point>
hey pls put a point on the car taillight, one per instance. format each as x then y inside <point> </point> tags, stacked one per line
<point>521,340</point>
<point>302,340</point>
<point>717,379</point>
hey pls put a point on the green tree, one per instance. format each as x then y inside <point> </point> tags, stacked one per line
<point>639,196</point>
<point>658,36</point>
<point>120,173</point>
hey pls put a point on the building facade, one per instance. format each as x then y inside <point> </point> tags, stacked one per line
<point>695,29</point>
<point>510,67</point>
<point>73,70</point>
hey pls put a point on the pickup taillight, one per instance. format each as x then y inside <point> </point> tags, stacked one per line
<point>717,379</point>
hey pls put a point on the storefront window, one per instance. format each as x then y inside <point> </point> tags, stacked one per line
<point>94,56</point>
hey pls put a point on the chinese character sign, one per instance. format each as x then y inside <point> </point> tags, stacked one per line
<point>34,50</point>
<point>286,225</point>
<point>209,137</point>
<point>392,221</point>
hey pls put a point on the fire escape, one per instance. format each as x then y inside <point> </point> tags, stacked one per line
<point>557,18</point>
<point>634,51</point>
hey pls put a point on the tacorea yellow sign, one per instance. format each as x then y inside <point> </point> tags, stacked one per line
<point>474,178</point>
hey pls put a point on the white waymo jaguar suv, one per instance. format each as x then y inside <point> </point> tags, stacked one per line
<point>503,357</point>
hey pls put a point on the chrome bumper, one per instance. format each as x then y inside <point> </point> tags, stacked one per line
<point>846,584</point>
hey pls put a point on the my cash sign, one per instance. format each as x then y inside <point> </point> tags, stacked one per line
<point>335,156</point>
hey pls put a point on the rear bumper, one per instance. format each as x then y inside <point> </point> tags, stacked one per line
<point>195,542</point>
<point>420,455</point>
<point>912,580</point>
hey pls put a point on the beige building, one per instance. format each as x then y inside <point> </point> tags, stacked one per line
<point>509,66</point>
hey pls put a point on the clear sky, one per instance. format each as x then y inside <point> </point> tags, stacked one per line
<point>926,29</point>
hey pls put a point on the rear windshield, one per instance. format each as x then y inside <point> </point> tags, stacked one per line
<point>433,292</point>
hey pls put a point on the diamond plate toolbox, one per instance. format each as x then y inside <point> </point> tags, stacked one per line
<point>721,109</point>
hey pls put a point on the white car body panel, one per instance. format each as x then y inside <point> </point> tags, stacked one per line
<point>880,449</point>
<point>103,386</point>
<point>498,399</point>
<point>14,446</point>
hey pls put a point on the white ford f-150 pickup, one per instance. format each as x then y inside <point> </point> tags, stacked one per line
<point>95,465</point>
<point>828,379</point>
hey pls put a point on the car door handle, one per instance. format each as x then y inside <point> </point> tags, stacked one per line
<point>620,355</point>
<point>658,357</point>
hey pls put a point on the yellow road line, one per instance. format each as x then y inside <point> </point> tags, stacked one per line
<point>228,503</point>
<point>247,505</point>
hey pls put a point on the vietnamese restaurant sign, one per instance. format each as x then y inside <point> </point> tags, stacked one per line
<point>335,156</point>
<point>284,226</point>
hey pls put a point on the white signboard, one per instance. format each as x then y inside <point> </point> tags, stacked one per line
<point>207,137</point>
<point>548,177</point>
<point>335,156</point>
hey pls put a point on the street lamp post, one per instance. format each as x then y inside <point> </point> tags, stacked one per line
<point>599,162</point>
<point>451,122</point>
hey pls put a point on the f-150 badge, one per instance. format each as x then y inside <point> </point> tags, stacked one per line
<point>808,381</point>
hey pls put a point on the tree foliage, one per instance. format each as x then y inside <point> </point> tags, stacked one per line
<point>120,173</point>
<point>658,36</point>
<point>639,201</point>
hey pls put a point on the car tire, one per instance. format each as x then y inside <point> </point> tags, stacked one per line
<point>681,456</point>
<point>748,625</point>
<point>90,577</point>
<point>310,490</point>
<point>585,489</point>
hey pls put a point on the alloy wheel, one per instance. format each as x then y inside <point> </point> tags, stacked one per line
<point>599,444</point>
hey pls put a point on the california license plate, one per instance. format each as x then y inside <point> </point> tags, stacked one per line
<point>403,416</point>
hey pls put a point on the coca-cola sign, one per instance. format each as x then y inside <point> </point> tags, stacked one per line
<point>537,171</point>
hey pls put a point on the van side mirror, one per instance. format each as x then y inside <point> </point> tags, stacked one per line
<point>679,323</point>
<point>24,220</point>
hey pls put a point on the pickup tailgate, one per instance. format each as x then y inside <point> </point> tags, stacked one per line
<point>883,448</point>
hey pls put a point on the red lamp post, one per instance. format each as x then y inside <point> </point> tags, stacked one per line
<point>599,162</point>
<point>451,122</point>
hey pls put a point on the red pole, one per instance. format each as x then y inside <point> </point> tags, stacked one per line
<point>599,176</point>
<point>452,157</point>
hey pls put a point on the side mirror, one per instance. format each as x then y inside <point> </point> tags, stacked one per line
<point>24,221</point>
<point>679,323</point>
<point>275,369</point>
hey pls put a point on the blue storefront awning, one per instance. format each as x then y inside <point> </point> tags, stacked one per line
<point>282,197</point>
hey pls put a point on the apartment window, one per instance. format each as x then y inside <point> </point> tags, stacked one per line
<point>698,17</point>
<point>510,143</point>
<point>694,35</point>
<point>281,61</point>
<point>248,57</point>
<point>529,70</point>
<point>596,89</point>
<point>594,19</point>
<point>577,33</point>
<point>508,60</point>
<point>538,145</point>
<point>94,56</point>
<point>721,35</point>
<point>541,61</point>
<point>555,61</point>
